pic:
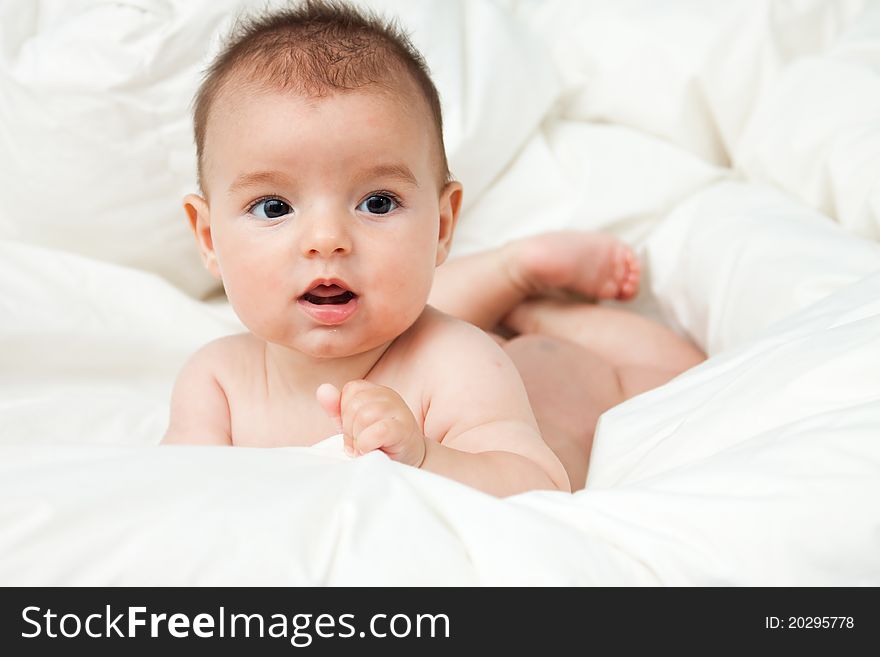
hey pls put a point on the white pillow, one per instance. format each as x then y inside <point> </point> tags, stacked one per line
<point>735,258</point>
<point>816,134</point>
<point>687,71</point>
<point>94,116</point>
<point>95,122</point>
<point>574,174</point>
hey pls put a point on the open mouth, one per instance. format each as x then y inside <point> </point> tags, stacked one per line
<point>322,295</point>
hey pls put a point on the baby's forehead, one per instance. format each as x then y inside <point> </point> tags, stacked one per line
<point>249,105</point>
<point>228,116</point>
<point>237,87</point>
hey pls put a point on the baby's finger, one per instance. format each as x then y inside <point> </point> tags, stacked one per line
<point>355,395</point>
<point>330,400</point>
<point>366,415</point>
<point>348,444</point>
<point>349,407</point>
<point>372,437</point>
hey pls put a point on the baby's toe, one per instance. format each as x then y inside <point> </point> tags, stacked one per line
<point>609,289</point>
<point>630,276</point>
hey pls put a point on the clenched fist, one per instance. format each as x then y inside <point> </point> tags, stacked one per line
<point>371,417</point>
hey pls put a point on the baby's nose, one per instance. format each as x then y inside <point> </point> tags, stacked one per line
<point>326,237</point>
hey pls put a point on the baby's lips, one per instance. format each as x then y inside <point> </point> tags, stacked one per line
<point>327,287</point>
<point>327,290</point>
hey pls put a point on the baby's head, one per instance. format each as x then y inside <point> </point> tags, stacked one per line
<point>326,198</point>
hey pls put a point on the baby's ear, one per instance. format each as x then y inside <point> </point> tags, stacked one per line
<point>200,221</point>
<point>450,204</point>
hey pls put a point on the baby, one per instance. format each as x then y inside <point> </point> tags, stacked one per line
<point>327,205</point>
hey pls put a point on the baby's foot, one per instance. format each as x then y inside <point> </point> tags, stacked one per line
<point>590,264</point>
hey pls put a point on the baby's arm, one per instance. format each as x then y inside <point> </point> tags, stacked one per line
<point>480,408</point>
<point>502,470</point>
<point>199,408</point>
<point>482,429</point>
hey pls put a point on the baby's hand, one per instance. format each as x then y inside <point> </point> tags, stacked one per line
<point>371,417</point>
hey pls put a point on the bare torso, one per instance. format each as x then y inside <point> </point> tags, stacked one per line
<point>263,412</point>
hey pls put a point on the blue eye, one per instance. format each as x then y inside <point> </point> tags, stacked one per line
<point>378,204</point>
<point>270,208</point>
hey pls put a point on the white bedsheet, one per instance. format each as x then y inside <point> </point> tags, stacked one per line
<point>761,466</point>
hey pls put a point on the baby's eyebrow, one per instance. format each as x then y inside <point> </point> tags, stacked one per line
<point>399,172</point>
<point>245,180</point>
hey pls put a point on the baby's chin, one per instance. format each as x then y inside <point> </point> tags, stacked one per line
<point>333,345</point>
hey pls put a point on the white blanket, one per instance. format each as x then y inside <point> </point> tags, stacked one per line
<point>761,466</point>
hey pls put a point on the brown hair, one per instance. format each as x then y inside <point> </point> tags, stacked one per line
<point>316,47</point>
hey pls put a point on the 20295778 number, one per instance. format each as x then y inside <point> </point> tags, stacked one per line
<point>809,622</point>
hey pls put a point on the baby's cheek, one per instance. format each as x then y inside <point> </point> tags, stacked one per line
<point>409,275</point>
<point>252,283</point>
<point>406,294</point>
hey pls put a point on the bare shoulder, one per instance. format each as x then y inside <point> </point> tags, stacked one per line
<point>229,346</point>
<point>200,401</point>
<point>225,355</point>
<point>465,373</point>
<point>438,336</point>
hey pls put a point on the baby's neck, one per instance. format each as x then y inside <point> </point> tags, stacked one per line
<point>299,373</point>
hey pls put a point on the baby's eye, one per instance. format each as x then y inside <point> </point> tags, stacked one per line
<point>270,208</point>
<point>378,204</point>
